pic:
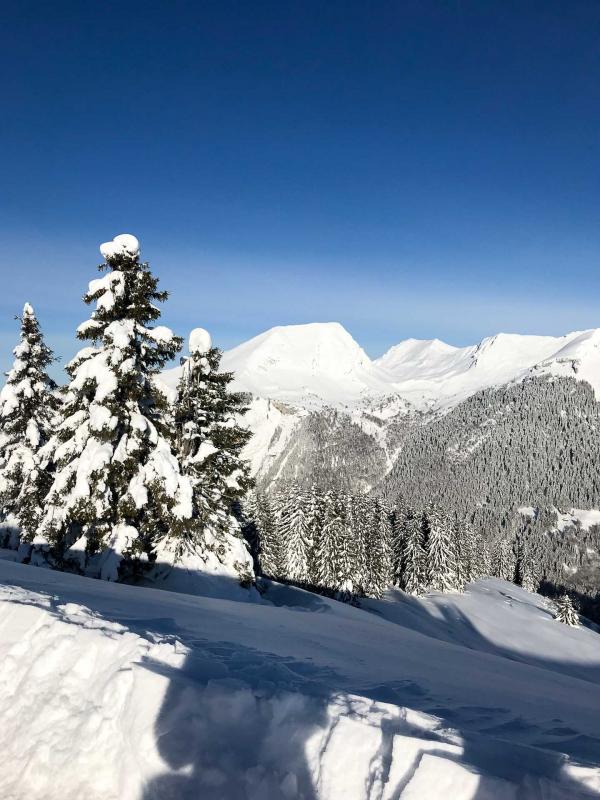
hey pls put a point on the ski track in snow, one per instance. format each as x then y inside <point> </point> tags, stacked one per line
<point>111,691</point>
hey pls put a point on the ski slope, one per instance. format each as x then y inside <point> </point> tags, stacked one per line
<point>113,691</point>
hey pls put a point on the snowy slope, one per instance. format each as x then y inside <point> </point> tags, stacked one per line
<point>110,691</point>
<point>436,375</point>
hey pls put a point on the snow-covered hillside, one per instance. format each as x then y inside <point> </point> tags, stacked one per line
<point>114,692</point>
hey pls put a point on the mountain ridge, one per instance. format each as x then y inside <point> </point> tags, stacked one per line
<point>321,364</point>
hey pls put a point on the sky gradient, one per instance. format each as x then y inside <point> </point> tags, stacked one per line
<point>426,169</point>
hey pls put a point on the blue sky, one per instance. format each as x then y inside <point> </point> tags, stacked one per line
<point>407,168</point>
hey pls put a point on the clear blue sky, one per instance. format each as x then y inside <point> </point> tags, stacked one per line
<point>407,168</point>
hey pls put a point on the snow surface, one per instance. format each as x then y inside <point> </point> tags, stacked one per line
<point>110,691</point>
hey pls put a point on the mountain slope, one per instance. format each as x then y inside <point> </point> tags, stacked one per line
<point>111,691</point>
<point>297,374</point>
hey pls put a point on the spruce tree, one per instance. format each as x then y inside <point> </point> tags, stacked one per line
<point>566,612</point>
<point>334,558</point>
<point>271,554</point>
<point>379,550</point>
<point>413,560</point>
<point>118,491</point>
<point>399,519</point>
<point>294,526</point>
<point>28,406</point>
<point>209,445</point>
<point>315,517</point>
<point>441,556</point>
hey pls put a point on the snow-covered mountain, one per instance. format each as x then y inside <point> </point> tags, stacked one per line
<point>321,364</point>
<point>314,383</point>
<point>115,692</point>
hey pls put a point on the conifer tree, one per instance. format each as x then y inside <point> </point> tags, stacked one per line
<point>315,519</point>
<point>483,558</point>
<point>566,612</point>
<point>209,445</point>
<point>334,558</point>
<point>441,557</point>
<point>28,406</point>
<point>271,555</point>
<point>295,534</point>
<point>413,574</point>
<point>118,491</point>
<point>400,515</point>
<point>504,560</point>
<point>379,550</point>
<point>356,521</point>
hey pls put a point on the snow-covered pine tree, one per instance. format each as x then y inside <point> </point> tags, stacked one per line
<point>118,491</point>
<point>28,407</point>
<point>504,560</point>
<point>379,550</point>
<point>356,521</point>
<point>465,548</point>
<point>566,612</point>
<point>413,560</point>
<point>295,533</point>
<point>315,519</point>
<point>209,445</point>
<point>334,558</point>
<point>271,555</point>
<point>483,558</point>
<point>400,515</point>
<point>441,556</point>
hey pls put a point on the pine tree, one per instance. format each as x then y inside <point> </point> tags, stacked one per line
<point>504,560</point>
<point>334,558</point>
<point>413,574</point>
<point>399,519</point>
<point>441,557</point>
<point>209,445</point>
<point>357,518</point>
<point>295,534</point>
<point>315,520</point>
<point>271,555</point>
<point>379,550</point>
<point>482,567</point>
<point>566,612</point>
<point>28,406</point>
<point>118,491</point>
<point>465,545</point>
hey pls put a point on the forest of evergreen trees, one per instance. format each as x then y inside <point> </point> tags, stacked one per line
<point>348,545</point>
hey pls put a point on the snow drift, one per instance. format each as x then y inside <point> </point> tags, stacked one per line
<point>110,691</point>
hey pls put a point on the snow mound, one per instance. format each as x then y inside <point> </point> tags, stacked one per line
<point>200,341</point>
<point>123,243</point>
<point>110,691</point>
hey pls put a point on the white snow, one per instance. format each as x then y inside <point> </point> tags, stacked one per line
<point>321,364</point>
<point>585,518</point>
<point>200,341</point>
<point>119,692</point>
<point>124,242</point>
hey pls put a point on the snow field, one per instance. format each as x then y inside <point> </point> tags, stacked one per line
<point>112,691</point>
